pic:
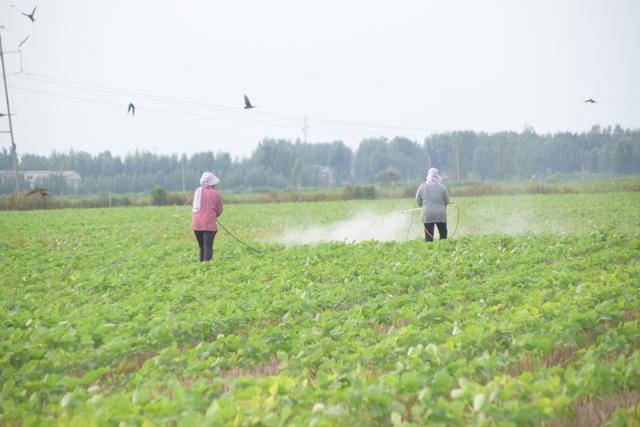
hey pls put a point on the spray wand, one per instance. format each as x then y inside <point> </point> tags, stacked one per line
<point>237,239</point>
<point>228,232</point>
<point>455,230</point>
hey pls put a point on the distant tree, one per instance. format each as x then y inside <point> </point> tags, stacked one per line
<point>6,161</point>
<point>439,150</point>
<point>306,175</point>
<point>408,157</point>
<point>389,176</point>
<point>340,160</point>
<point>276,157</point>
<point>282,163</point>
<point>158,196</point>
<point>484,160</point>
<point>372,157</point>
<point>35,162</point>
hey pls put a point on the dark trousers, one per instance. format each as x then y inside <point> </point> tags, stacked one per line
<point>429,229</point>
<point>205,241</point>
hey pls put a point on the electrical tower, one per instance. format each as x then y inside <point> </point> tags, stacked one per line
<point>14,157</point>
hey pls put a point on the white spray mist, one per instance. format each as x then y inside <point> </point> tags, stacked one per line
<point>364,226</point>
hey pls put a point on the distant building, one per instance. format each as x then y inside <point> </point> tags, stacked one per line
<point>34,177</point>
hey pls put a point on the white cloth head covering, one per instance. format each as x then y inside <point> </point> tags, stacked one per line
<point>207,179</point>
<point>433,177</point>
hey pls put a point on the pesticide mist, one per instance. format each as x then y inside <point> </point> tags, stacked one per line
<point>365,226</point>
<point>512,216</point>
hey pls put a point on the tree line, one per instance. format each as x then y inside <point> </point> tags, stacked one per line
<point>276,163</point>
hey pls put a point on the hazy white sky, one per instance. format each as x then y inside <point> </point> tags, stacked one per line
<point>355,68</point>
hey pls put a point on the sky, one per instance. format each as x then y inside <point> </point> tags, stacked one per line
<point>353,69</point>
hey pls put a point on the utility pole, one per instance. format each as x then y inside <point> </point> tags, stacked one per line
<point>457,161</point>
<point>6,95</point>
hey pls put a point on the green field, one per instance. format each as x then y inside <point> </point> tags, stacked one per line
<point>528,316</point>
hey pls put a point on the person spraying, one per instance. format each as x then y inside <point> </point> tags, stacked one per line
<point>433,197</point>
<point>207,207</point>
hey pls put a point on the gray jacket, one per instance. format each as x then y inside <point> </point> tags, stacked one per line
<point>434,200</point>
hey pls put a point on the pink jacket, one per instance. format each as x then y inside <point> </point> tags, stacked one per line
<point>210,210</point>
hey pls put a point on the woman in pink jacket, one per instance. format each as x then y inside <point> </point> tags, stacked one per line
<point>207,207</point>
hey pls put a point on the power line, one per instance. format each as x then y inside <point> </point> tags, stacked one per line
<point>41,78</point>
<point>324,122</point>
<point>104,89</point>
<point>199,115</point>
<point>78,98</point>
<point>160,110</point>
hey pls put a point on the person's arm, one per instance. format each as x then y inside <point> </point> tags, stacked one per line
<point>419,196</point>
<point>446,195</point>
<point>217,204</point>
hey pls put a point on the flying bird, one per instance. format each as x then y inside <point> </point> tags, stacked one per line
<point>131,109</point>
<point>23,42</point>
<point>28,15</point>
<point>590,101</point>
<point>247,103</point>
<point>39,190</point>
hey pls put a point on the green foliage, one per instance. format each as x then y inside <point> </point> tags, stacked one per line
<point>388,176</point>
<point>277,163</point>
<point>159,196</point>
<point>359,192</point>
<point>107,317</point>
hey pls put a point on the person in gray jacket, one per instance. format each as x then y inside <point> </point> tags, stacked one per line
<point>433,197</point>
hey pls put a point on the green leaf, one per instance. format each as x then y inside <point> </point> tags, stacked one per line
<point>396,419</point>
<point>221,409</point>
<point>478,401</point>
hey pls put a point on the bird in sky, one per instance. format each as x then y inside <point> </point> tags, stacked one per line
<point>28,15</point>
<point>131,109</point>
<point>23,42</point>
<point>247,103</point>
<point>590,101</point>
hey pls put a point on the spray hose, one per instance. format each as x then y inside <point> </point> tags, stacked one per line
<point>455,230</point>
<point>237,239</point>
<point>228,232</point>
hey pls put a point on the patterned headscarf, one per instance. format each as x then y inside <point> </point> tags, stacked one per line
<point>208,179</point>
<point>433,177</point>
